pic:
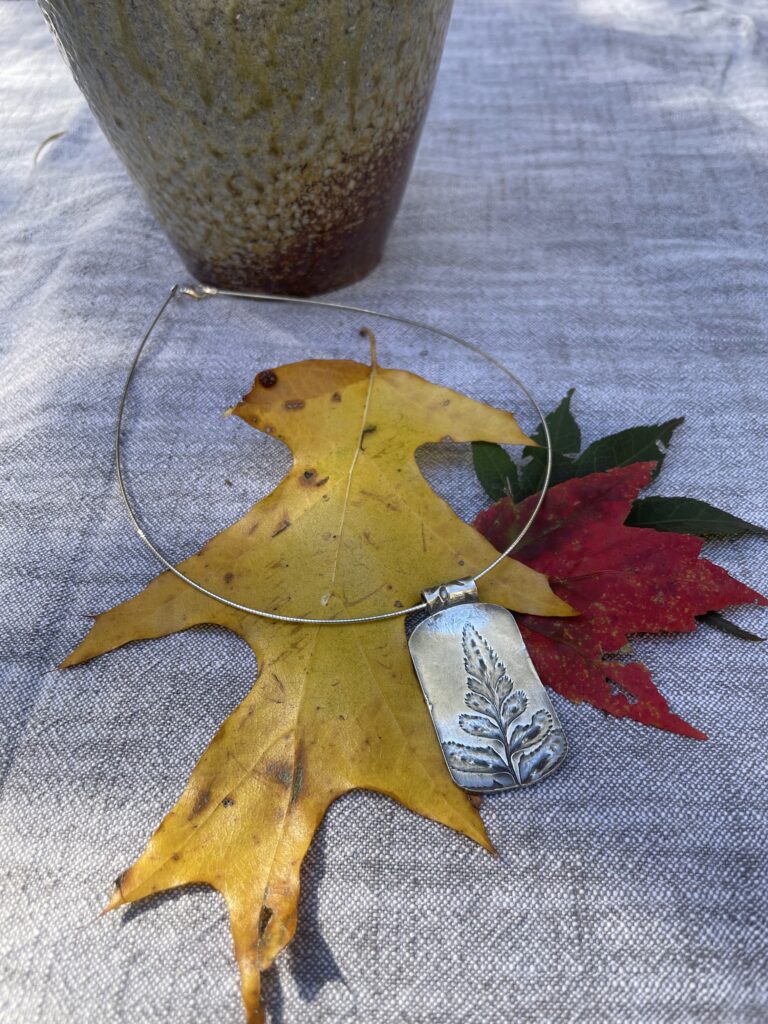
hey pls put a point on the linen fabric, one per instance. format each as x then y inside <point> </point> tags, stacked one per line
<point>589,202</point>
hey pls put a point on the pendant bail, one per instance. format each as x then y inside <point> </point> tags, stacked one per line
<point>446,595</point>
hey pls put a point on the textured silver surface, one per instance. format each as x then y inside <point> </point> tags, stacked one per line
<point>496,724</point>
<point>591,201</point>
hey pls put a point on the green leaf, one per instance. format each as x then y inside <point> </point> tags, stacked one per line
<point>637,444</point>
<point>565,437</point>
<point>689,515</point>
<point>495,470</point>
<point>718,621</point>
<point>563,429</point>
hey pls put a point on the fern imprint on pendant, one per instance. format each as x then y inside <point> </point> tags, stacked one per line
<point>495,722</point>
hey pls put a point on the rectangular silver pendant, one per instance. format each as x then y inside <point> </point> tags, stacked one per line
<point>493,717</point>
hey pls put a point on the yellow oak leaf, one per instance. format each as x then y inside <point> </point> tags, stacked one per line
<point>353,529</point>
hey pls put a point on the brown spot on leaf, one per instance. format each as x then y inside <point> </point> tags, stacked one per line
<point>228,577</point>
<point>298,778</point>
<point>228,802</point>
<point>280,771</point>
<point>267,378</point>
<point>335,397</point>
<point>264,918</point>
<point>283,526</point>
<point>309,479</point>
<point>279,682</point>
<point>201,802</point>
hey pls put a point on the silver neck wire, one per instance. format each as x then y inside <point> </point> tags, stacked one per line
<point>205,292</point>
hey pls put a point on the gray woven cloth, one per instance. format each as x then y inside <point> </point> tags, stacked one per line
<point>590,201</point>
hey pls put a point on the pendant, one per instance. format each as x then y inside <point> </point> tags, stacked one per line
<point>494,720</point>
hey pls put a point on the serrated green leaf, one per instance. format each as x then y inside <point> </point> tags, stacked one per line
<point>495,470</point>
<point>689,515</point>
<point>637,444</point>
<point>565,437</point>
<point>719,622</point>
<point>564,431</point>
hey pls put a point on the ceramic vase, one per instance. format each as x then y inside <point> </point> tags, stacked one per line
<point>272,139</point>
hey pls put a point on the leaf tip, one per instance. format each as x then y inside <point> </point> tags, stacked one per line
<point>75,657</point>
<point>563,610</point>
<point>489,847</point>
<point>677,725</point>
<point>70,661</point>
<point>695,734</point>
<point>115,901</point>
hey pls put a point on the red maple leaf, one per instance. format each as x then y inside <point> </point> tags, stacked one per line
<point>622,579</point>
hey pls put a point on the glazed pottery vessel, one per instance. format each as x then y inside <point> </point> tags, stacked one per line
<point>271,138</point>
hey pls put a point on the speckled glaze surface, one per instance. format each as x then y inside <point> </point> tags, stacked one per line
<point>272,138</point>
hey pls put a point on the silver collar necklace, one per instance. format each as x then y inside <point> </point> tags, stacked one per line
<point>493,717</point>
